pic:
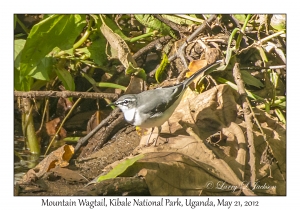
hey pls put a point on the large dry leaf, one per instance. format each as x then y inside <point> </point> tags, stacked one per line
<point>58,158</point>
<point>172,173</point>
<point>118,44</point>
<point>215,111</point>
<point>206,152</point>
<point>123,51</point>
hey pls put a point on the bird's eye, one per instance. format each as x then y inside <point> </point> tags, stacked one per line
<point>125,101</point>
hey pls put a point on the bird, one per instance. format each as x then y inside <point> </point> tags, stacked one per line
<point>151,108</point>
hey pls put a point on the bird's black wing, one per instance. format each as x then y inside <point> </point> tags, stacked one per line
<point>168,96</point>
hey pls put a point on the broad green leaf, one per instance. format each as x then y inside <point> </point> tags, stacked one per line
<point>160,70</point>
<point>97,50</point>
<point>155,24</point>
<point>19,45</point>
<point>43,69</point>
<point>45,16</point>
<point>120,168</point>
<point>251,80</point>
<point>55,31</point>
<point>66,78</point>
<point>38,84</point>
<point>17,82</point>
<point>24,84</point>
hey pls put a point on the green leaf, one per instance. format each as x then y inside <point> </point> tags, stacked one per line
<point>21,83</point>
<point>241,18</point>
<point>136,71</point>
<point>274,78</point>
<point>120,168</point>
<point>178,20</point>
<point>97,50</point>
<point>66,78</point>
<point>43,69</point>
<point>113,26</point>
<point>15,21</point>
<point>262,54</point>
<point>251,80</point>
<point>110,85</point>
<point>280,115</point>
<point>83,51</point>
<point>38,84</point>
<point>155,24</point>
<point>24,84</point>
<point>162,66</point>
<point>229,49</point>
<point>17,82</point>
<point>19,45</point>
<point>234,86</point>
<point>55,31</point>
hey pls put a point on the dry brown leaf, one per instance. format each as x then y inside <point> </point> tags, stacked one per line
<point>68,175</point>
<point>190,164</point>
<point>59,157</point>
<point>52,126</point>
<point>117,43</point>
<point>195,65</point>
<point>135,86</point>
<point>210,112</point>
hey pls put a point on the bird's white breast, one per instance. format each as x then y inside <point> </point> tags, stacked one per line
<point>129,114</point>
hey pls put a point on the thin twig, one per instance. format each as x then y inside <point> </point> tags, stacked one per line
<point>114,115</point>
<point>262,67</point>
<point>172,25</point>
<point>44,114</point>
<point>151,45</point>
<point>180,51</point>
<point>248,119</point>
<point>259,43</point>
<point>61,125</point>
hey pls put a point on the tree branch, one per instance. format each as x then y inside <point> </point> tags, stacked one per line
<point>64,94</point>
<point>248,115</point>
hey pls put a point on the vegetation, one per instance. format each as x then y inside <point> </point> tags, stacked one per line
<point>104,55</point>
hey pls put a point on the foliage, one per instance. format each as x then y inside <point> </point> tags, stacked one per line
<point>56,51</point>
<point>79,52</point>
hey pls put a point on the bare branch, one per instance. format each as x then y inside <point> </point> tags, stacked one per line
<point>64,94</point>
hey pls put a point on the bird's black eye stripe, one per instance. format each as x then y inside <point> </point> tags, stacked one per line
<point>124,102</point>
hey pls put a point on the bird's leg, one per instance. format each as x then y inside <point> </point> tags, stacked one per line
<point>159,130</point>
<point>149,137</point>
